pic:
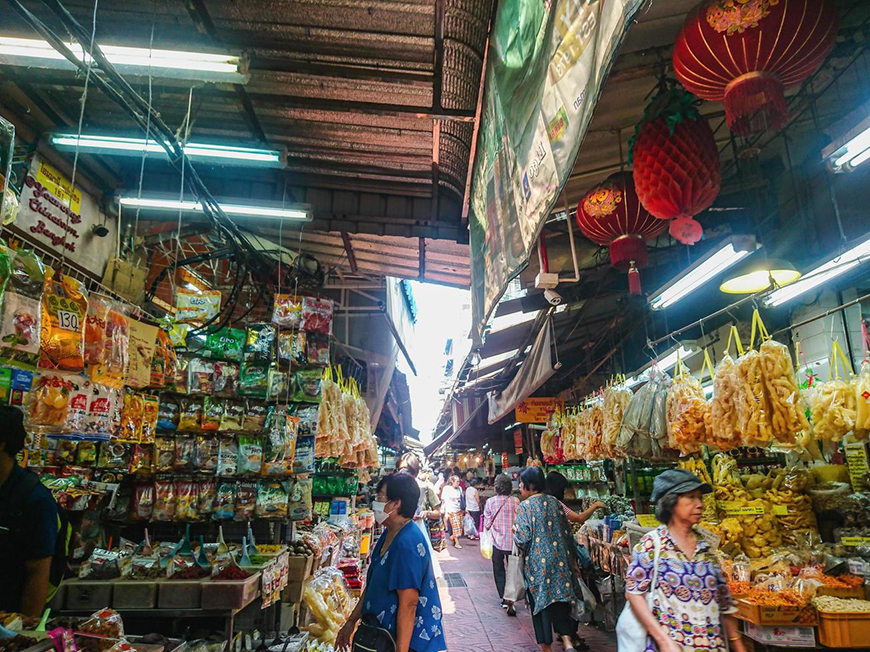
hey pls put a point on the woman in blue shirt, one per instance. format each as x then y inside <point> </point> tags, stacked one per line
<point>400,591</point>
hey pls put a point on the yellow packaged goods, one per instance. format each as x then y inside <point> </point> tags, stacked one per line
<point>49,402</point>
<point>330,603</point>
<point>143,340</point>
<point>833,410</point>
<point>725,433</point>
<point>862,401</point>
<point>753,409</point>
<point>786,407</point>
<point>792,507</point>
<point>62,330</point>
<point>687,415</point>
<point>697,466</point>
<point>616,398</point>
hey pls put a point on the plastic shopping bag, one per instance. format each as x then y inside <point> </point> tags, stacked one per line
<point>486,543</point>
<point>469,526</point>
<point>515,585</point>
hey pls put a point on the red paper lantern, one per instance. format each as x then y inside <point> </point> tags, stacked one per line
<point>611,214</point>
<point>676,163</point>
<point>745,53</point>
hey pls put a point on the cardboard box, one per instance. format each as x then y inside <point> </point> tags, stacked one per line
<point>769,615</point>
<point>782,636</point>
<point>293,592</point>
<point>299,567</point>
<point>88,595</point>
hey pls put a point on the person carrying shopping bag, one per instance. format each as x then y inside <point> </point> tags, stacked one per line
<point>499,515</point>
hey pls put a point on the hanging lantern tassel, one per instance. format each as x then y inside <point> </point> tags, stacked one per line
<point>634,279</point>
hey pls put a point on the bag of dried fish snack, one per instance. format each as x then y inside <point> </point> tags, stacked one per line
<point>786,404</point>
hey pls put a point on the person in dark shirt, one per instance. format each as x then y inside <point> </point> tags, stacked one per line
<point>28,525</point>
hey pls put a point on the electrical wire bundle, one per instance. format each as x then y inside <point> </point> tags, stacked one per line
<point>250,262</point>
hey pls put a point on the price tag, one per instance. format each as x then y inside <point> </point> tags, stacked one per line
<point>68,320</point>
<point>855,541</point>
<point>713,540</point>
<point>856,461</point>
<point>734,509</point>
<point>648,520</point>
<point>859,567</point>
<point>780,510</point>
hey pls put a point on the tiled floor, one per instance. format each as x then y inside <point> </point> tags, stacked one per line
<point>474,620</point>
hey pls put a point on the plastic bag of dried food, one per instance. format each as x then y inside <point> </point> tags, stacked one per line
<point>95,328</point>
<point>105,623</point>
<point>259,340</point>
<point>111,369</point>
<point>254,380</point>
<point>862,401</point>
<point>226,344</point>
<point>200,376</point>
<point>132,416</point>
<point>62,330</point>
<point>159,359</point>
<point>833,404</point>
<point>317,315</point>
<point>288,311</point>
<point>616,399</point>
<point>228,457</point>
<point>226,379</point>
<point>21,313</point>
<point>225,501</point>
<point>687,414</point>
<point>644,430</point>
<point>723,409</point>
<point>786,407</point>
<point>752,405</point>
<point>49,401</point>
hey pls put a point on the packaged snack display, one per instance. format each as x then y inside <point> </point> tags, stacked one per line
<point>233,416</point>
<point>177,333</point>
<point>225,500</point>
<point>143,341</point>
<point>786,407</point>
<point>150,408</point>
<point>228,457</point>
<point>255,417</point>
<point>226,344</point>
<point>182,376</point>
<point>164,454</point>
<point>95,329</point>
<point>132,417</point>
<point>142,506</point>
<point>288,311</point>
<point>190,415</point>
<point>279,385</point>
<point>258,343</point>
<point>212,410</point>
<point>317,315</point>
<point>300,501</point>
<point>200,376</point>
<point>250,455</point>
<point>21,310</point>
<point>308,385</point>
<point>206,493</point>
<point>78,406</point>
<point>159,359</point>
<point>725,430</point>
<point>226,379</point>
<point>141,460</point>
<point>184,453</point>
<point>254,381</point>
<point>196,305</point>
<point>318,350</point>
<point>246,501</point>
<point>207,453</point>
<point>185,500</point>
<point>61,337</point>
<point>164,500</point>
<point>292,347</point>
<point>271,500</point>
<point>105,404</point>
<point>687,411</point>
<point>167,414</point>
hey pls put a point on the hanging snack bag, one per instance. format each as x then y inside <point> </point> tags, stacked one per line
<point>181,384</point>
<point>142,506</point>
<point>292,348</point>
<point>114,361</point>
<point>271,499</point>
<point>250,455</point>
<point>105,405</point>
<point>190,415</point>
<point>62,330</point>
<point>158,360</point>
<point>114,456</point>
<point>141,460</point>
<point>226,379</point>
<point>207,451</point>
<point>225,344</point>
<point>78,406</point>
<point>177,333</point>
<point>254,381</point>
<point>308,419</point>
<point>167,414</point>
<point>200,373</point>
<point>21,312</point>
<point>212,411</point>
<point>184,453</point>
<point>164,500</point>
<point>196,305</point>
<point>225,501</point>
<point>233,416</point>
<point>206,493</point>
<point>164,454</point>
<point>185,500</point>
<point>228,457</point>
<point>288,311</point>
<point>86,453</point>
<point>303,458</point>
<point>317,315</point>
<point>276,453</point>
<point>143,341</point>
<point>151,405</point>
<point>95,329</point>
<point>308,385</point>
<point>258,342</point>
<point>246,501</point>
<point>132,417</point>
<point>318,350</point>
<point>255,417</point>
<point>300,502</point>
<point>279,385</point>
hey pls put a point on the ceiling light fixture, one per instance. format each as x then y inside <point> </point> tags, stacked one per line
<point>175,64</point>
<point>760,275</point>
<point>822,273</point>
<point>710,265</point>
<point>301,212</point>
<point>126,146</point>
<point>853,148</point>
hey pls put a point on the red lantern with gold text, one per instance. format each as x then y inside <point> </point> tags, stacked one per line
<point>611,214</point>
<point>745,53</point>
<point>676,162</point>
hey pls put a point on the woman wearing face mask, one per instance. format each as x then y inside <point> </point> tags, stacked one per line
<point>401,595</point>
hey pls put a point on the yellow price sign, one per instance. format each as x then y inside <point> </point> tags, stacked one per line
<point>855,541</point>
<point>734,509</point>
<point>780,510</point>
<point>648,520</point>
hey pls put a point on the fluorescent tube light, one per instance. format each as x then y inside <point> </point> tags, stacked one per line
<point>853,148</point>
<point>709,266</point>
<point>822,274</point>
<point>288,212</point>
<point>124,146</point>
<point>198,66</point>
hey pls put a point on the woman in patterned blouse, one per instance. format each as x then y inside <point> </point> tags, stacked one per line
<point>691,600</point>
<point>550,570</point>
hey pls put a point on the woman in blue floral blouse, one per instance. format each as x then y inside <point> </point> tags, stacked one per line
<point>543,534</point>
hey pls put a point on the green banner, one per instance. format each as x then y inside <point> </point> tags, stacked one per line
<point>547,62</point>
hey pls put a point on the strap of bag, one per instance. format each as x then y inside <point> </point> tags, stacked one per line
<point>494,516</point>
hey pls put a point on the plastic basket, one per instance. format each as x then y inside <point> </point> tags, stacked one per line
<point>844,629</point>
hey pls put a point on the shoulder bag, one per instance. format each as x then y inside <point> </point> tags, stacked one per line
<point>371,637</point>
<point>486,535</point>
<point>630,634</point>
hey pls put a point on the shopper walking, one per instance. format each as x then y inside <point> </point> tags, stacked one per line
<point>428,507</point>
<point>451,500</point>
<point>543,534</point>
<point>499,515</point>
<point>401,595</point>
<point>690,599</point>
<point>472,505</point>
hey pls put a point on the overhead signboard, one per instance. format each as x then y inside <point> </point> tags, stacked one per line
<point>60,219</point>
<point>547,62</point>
<point>538,409</point>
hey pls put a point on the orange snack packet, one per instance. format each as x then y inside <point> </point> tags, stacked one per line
<point>61,337</point>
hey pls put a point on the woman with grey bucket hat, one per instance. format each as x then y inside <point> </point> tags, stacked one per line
<point>674,585</point>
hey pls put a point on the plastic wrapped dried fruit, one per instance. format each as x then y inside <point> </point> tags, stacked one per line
<point>833,408</point>
<point>786,407</point>
<point>49,401</point>
<point>687,410</point>
<point>753,408</point>
<point>62,331</point>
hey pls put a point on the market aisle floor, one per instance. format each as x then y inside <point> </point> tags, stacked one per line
<point>474,620</point>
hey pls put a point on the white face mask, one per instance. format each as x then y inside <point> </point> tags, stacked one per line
<point>380,514</point>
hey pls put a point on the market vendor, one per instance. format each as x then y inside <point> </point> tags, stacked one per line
<point>28,525</point>
<point>690,599</point>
